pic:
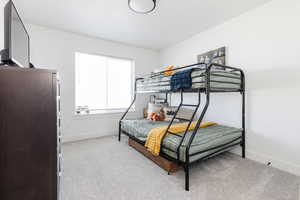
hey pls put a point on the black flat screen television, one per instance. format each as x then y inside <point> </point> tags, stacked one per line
<point>16,38</point>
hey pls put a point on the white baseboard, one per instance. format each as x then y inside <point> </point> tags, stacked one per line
<point>87,136</point>
<point>276,163</point>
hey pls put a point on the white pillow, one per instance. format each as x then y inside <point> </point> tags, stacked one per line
<point>153,108</point>
<point>185,113</point>
<point>182,113</point>
<point>169,112</point>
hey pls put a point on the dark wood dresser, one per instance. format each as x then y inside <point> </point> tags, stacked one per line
<point>29,134</point>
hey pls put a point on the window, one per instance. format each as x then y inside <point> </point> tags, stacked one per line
<point>102,83</point>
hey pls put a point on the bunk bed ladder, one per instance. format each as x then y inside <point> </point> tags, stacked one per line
<point>181,104</point>
<point>190,121</point>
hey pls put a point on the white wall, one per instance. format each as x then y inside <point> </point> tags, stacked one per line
<point>2,4</point>
<point>55,49</point>
<point>265,42</point>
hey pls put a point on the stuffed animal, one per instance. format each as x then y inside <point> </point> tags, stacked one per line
<point>160,116</point>
<point>169,70</point>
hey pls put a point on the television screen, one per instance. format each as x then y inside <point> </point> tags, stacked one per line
<point>16,37</point>
<point>19,41</point>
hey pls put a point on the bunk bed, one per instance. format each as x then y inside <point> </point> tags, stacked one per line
<point>200,143</point>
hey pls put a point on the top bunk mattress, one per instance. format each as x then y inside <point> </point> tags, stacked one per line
<point>219,80</point>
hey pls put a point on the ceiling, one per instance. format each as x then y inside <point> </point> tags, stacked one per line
<point>172,22</point>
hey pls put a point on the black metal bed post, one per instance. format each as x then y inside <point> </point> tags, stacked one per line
<point>187,155</point>
<point>124,115</point>
<point>243,116</point>
<point>243,93</point>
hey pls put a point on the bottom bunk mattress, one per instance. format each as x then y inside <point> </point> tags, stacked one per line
<point>206,138</point>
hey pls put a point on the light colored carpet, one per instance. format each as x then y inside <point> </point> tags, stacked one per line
<point>106,169</point>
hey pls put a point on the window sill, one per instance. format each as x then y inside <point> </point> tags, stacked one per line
<point>102,112</point>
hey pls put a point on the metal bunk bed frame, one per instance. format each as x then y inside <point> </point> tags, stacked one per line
<point>207,91</point>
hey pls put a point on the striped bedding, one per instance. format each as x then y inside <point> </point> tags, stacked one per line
<point>224,80</point>
<point>205,138</point>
